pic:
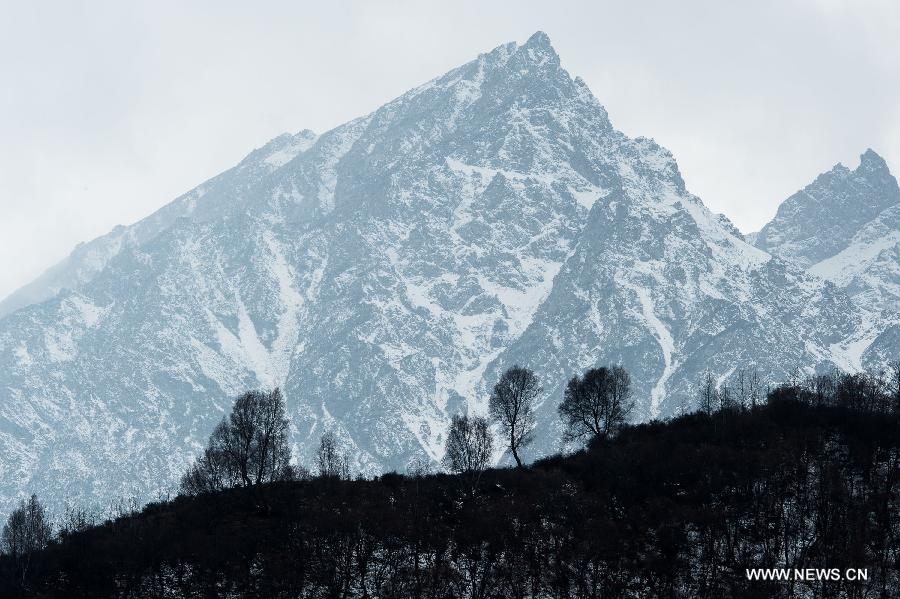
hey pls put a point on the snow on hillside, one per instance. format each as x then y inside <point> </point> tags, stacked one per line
<point>384,273</point>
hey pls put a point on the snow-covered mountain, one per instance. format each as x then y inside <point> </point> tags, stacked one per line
<point>818,221</point>
<point>383,274</point>
<point>844,227</point>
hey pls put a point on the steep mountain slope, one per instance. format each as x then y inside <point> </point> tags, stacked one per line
<point>845,228</point>
<point>88,259</point>
<point>381,274</point>
<point>816,222</point>
<point>658,284</point>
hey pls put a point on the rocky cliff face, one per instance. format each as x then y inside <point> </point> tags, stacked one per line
<point>383,274</point>
<point>818,221</point>
<point>845,228</point>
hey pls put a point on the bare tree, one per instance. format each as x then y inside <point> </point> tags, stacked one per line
<point>822,388</point>
<point>332,463</point>
<point>74,520</point>
<point>418,467</point>
<point>598,403</point>
<point>272,459</point>
<point>620,402</point>
<point>255,438</point>
<point>248,448</point>
<point>585,404</point>
<point>512,407</point>
<point>26,530</point>
<point>212,471</point>
<point>754,385</point>
<point>723,395</point>
<point>706,393</point>
<point>741,389</point>
<point>894,383</point>
<point>469,447</point>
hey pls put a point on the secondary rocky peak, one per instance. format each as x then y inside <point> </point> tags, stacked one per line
<point>870,161</point>
<point>873,169</point>
<point>819,221</point>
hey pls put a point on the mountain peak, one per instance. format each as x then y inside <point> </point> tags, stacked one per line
<point>539,39</point>
<point>539,50</point>
<point>816,223</point>
<point>870,161</point>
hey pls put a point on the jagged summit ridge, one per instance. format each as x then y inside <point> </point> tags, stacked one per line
<point>504,66</point>
<point>856,247</point>
<point>383,273</point>
<point>872,161</point>
<point>814,223</point>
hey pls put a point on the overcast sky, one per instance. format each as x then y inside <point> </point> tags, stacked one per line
<point>109,110</point>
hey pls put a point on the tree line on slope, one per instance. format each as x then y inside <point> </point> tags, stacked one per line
<point>813,508</point>
<point>250,446</point>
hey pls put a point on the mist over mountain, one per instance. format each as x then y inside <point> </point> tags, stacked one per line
<point>383,274</point>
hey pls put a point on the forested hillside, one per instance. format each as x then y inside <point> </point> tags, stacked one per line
<point>681,508</point>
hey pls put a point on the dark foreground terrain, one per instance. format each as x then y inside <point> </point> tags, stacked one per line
<point>676,509</point>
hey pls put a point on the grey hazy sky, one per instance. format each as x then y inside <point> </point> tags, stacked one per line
<point>109,110</point>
